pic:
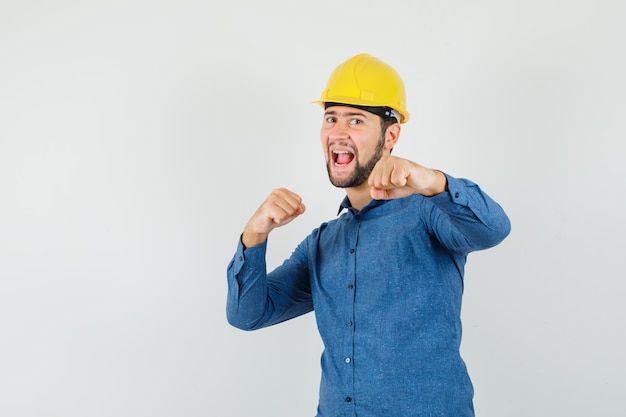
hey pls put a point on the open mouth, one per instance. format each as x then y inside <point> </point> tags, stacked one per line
<point>342,158</point>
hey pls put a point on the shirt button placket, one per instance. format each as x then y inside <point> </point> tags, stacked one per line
<point>348,359</point>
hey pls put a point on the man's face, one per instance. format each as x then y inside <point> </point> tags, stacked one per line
<point>353,144</point>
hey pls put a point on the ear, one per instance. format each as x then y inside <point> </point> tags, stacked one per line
<point>392,135</point>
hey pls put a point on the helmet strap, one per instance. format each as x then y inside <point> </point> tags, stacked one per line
<point>381,111</point>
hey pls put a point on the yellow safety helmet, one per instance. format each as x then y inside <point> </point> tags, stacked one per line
<point>364,80</point>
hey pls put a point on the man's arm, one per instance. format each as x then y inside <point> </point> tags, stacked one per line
<point>465,218</point>
<point>255,298</point>
<point>462,216</point>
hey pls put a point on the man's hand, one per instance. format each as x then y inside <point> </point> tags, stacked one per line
<point>395,177</point>
<point>280,208</point>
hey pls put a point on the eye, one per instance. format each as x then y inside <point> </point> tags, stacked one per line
<point>330,119</point>
<point>356,121</point>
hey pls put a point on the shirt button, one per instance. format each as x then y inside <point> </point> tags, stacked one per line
<point>456,195</point>
<point>350,286</point>
<point>349,324</point>
<point>357,217</point>
<point>348,399</point>
<point>348,360</point>
<point>352,250</point>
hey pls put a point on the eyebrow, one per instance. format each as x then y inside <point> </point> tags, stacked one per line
<point>347,114</point>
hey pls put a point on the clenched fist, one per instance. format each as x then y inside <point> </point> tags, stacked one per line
<point>280,208</point>
<point>394,177</point>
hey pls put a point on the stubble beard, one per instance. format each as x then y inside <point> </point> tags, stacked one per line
<point>361,172</point>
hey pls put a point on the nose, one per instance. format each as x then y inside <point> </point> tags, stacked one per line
<point>338,131</point>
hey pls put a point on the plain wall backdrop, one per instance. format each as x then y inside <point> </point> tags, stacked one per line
<point>137,137</point>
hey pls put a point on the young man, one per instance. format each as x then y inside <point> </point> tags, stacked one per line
<point>385,278</point>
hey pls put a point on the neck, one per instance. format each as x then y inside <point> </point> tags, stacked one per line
<point>359,196</point>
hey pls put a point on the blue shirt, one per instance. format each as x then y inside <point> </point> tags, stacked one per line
<point>386,284</point>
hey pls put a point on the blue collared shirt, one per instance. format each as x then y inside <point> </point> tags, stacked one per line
<point>386,284</point>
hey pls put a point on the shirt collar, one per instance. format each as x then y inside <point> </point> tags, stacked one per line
<point>346,205</point>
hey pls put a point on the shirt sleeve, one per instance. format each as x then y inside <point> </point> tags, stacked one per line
<point>465,219</point>
<point>259,299</point>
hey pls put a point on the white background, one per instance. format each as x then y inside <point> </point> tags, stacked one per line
<point>137,137</point>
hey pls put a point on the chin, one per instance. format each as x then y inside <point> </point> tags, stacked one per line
<point>343,182</point>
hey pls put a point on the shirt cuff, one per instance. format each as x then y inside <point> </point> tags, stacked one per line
<point>457,192</point>
<point>243,254</point>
